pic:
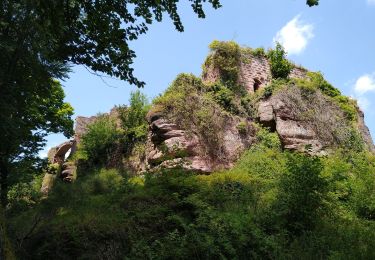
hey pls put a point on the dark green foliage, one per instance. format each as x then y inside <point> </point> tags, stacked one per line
<point>270,205</point>
<point>101,139</point>
<point>233,100</point>
<point>274,85</point>
<point>133,118</point>
<point>280,66</point>
<point>38,43</point>
<point>223,96</point>
<point>106,139</point>
<point>93,34</point>
<point>242,128</point>
<point>312,2</point>
<point>30,109</point>
<point>302,193</point>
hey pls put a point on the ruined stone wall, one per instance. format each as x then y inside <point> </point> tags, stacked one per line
<point>81,124</point>
<point>255,73</point>
<point>298,73</point>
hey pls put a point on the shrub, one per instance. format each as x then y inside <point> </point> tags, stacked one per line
<point>348,106</point>
<point>280,66</point>
<point>267,138</point>
<point>274,85</point>
<point>302,193</point>
<point>226,58</point>
<point>187,104</point>
<point>223,96</point>
<point>101,139</point>
<point>259,52</point>
<point>105,181</point>
<point>317,80</point>
<point>242,128</point>
<point>133,119</point>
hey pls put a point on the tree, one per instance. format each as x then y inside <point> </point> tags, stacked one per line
<point>280,66</point>
<point>29,111</point>
<point>101,139</point>
<point>91,33</point>
<point>312,2</point>
<point>303,191</point>
<point>133,118</point>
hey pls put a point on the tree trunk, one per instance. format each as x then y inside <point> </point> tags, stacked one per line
<point>4,183</point>
<point>6,250</point>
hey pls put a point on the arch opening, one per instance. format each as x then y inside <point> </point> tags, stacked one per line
<point>256,85</point>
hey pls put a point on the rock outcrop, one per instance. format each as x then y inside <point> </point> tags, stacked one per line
<point>59,167</point>
<point>305,120</point>
<point>310,123</point>
<point>169,146</point>
<point>365,132</point>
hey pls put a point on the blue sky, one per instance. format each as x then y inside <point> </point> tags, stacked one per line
<point>335,38</point>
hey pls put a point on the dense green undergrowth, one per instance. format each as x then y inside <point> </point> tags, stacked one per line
<point>272,204</point>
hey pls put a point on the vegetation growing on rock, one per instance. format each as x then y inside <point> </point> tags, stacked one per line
<point>280,66</point>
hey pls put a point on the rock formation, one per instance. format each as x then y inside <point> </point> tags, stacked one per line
<point>169,145</point>
<point>306,121</point>
<point>59,167</point>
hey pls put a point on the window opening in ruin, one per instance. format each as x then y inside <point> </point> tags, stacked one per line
<point>257,84</point>
<point>67,153</point>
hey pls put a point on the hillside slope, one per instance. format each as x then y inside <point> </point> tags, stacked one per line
<point>256,159</point>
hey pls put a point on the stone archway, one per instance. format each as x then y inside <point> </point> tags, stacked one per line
<point>61,151</point>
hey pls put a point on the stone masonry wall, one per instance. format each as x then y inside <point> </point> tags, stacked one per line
<point>255,73</point>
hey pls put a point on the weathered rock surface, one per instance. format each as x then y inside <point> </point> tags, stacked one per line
<point>308,124</point>
<point>56,156</point>
<point>68,172</point>
<point>81,124</point>
<point>168,146</point>
<point>293,135</point>
<point>365,132</point>
<point>255,73</point>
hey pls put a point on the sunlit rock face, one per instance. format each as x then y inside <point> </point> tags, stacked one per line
<point>168,146</point>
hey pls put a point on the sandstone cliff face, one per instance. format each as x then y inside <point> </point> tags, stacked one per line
<point>365,132</point>
<point>311,123</point>
<point>169,146</point>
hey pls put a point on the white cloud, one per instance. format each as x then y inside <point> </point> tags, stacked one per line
<point>371,2</point>
<point>364,84</point>
<point>295,35</point>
